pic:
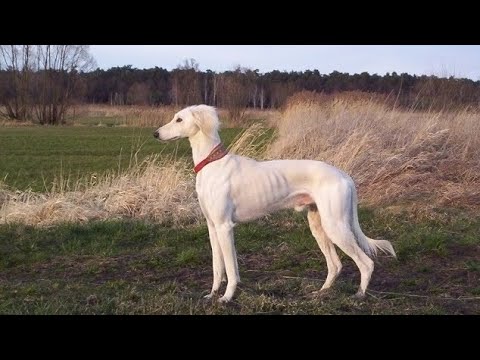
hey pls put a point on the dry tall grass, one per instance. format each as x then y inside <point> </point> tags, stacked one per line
<point>396,157</point>
<point>157,190</point>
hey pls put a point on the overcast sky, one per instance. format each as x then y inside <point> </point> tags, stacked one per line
<point>440,60</point>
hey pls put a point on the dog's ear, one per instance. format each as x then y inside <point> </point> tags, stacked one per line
<point>206,119</point>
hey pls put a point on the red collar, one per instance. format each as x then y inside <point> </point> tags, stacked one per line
<point>216,154</point>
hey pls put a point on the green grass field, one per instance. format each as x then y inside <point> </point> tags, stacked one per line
<point>125,267</point>
<point>32,157</point>
<point>134,267</point>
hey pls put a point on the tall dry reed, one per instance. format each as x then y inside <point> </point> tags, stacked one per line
<point>156,190</point>
<point>396,157</point>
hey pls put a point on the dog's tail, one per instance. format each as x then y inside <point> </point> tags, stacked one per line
<point>370,246</point>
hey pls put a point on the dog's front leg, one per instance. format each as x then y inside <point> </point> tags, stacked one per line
<point>227,245</point>
<point>217,260</point>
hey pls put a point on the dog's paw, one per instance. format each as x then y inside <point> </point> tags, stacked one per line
<point>224,300</point>
<point>322,292</point>
<point>319,294</point>
<point>212,295</point>
<point>359,296</point>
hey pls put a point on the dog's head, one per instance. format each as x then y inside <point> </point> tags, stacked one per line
<point>188,122</point>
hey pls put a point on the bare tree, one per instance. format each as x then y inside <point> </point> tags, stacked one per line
<point>279,92</point>
<point>262,96</point>
<point>252,83</point>
<point>138,94</point>
<point>17,61</point>
<point>234,90</point>
<point>215,85</point>
<point>58,67</point>
<point>205,87</point>
<point>186,83</point>
<point>43,80</point>
<point>174,90</point>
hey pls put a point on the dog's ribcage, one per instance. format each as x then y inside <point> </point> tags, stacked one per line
<point>257,188</point>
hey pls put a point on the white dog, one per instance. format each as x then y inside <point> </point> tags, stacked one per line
<point>233,189</point>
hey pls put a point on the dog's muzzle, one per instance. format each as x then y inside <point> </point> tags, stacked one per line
<point>155,134</point>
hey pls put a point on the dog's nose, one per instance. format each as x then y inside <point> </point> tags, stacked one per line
<point>155,134</point>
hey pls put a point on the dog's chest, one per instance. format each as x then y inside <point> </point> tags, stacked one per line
<point>244,195</point>
<point>211,189</point>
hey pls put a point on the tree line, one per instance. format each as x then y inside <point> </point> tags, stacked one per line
<point>246,87</point>
<point>40,82</point>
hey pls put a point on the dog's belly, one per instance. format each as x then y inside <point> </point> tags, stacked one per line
<point>255,210</point>
<point>256,199</point>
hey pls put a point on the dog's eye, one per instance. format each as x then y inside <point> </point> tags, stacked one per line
<point>179,120</point>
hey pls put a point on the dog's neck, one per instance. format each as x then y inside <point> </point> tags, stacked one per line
<point>202,145</point>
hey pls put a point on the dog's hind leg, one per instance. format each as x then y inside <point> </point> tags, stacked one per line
<point>334,264</point>
<point>335,211</point>
<point>343,237</point>
<point>217,260</point>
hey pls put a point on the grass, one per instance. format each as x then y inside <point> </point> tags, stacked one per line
<point>151,253</point>
<point>133,267</point>
<point>33,157</point>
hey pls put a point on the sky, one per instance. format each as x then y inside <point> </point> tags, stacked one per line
<point>440,60</point>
